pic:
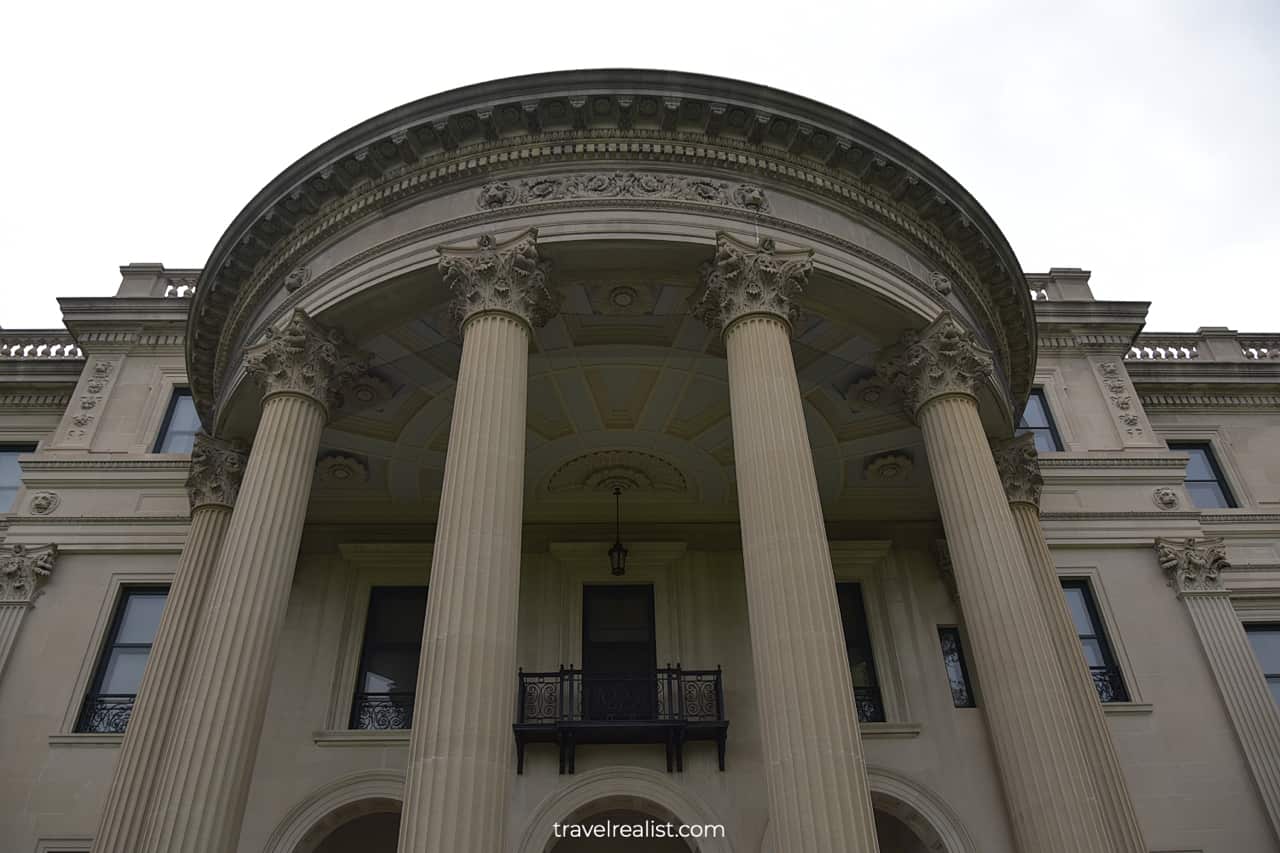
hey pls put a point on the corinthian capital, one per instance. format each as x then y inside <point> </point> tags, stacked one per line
<point>944,358</point>
<point>1193,565</point>
<point>216,469</point>
<point>745,280</point>
<point>22,570</point>
<point>1019,467</point>
<point>304,358</point>
<point>503,277</point>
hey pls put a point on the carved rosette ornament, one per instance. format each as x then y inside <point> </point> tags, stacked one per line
<point>745,280</point>
<point>22,570</point>
<point>217,467</point>
<point>944,358</point>
<point>305,358</point>
<point>1193,565</point>
<point>500,277</point>
<point>1019,465</point>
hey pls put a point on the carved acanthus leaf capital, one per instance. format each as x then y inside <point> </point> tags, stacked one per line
<point>1193,565</point>
<point>217,467</point>
<point>305,358</point>
<point>744,280</point>
<point>944,358</point>
<point>500,277</point>
<point>1019,466</point>
<point>23,569</point>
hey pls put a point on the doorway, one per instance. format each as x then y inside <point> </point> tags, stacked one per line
<point>619,653</point>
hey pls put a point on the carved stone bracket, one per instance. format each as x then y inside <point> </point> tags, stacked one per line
<point>216,469</point>
<point>504,277</point>
<point>305,358</point>
<point>744,280</point>
<point>944,358</point>
<point>23,569</point>
<point>1193,565</point>
<point>1019,466</point>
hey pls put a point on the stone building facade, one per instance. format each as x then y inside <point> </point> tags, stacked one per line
<point>633,446</point>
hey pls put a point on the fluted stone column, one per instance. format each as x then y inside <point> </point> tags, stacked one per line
<point>1019,467</point>
<point>23,571</point>
<point>1053,806</point>
<point>461,748</point>
<point>1194,567</point>
<point>819,799</point>
<point>207,768</point>
<point>216,470</point>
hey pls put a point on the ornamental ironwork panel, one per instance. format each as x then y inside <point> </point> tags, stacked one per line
<point>1109,683</point>
<point>106,713</point>
<point>869,703</point>
<point>382,711</point>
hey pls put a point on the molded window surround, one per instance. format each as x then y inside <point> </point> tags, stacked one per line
<point>1092,576</point>
<point>389,658</point>
<point>1037,419</point>
<point>1218,438</point>
<point>1107,678</point>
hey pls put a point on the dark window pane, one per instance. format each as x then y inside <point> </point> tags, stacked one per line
<point>1037,420</point>
<point>396,614</point>
<point>857,639</point>
<point>181,424</point>
<point>1036,414</point>
<point>1093,642</point>
<point>1093,654</point>
<point>957,671</point>
<point>1205,482</point>
<point>1266,645</point>
<point>389,658</point>
<point>1207,495</point>
<point>140,618</point>
<point>1274,683</point>
<point>1045,442</point>
<point>391,671</point>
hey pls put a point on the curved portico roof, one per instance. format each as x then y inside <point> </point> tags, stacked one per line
<point>475,132</point>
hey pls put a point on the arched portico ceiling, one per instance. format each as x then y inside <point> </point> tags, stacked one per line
<point>487,135</point>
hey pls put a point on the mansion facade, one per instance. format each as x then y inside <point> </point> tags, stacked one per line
<point>641,448</point>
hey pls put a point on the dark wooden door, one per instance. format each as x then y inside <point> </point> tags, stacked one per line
<point>619,653</point>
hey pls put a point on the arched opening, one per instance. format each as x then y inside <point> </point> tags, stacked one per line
<point>370,833</point>
<point>895,836</point>
<point>648,823</point>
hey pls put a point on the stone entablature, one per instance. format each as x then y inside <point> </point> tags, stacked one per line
<point>696,122</point>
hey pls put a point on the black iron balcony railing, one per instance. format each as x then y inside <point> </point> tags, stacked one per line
<point>105,713</point>
<point>869,704</point>
<point>670,706</point>
<point>382,711</point>
<point>1109,683</point>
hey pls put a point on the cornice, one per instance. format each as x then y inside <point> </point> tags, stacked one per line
<point>1209,401</point>
<point>1056,460</point>
<point>478,133</point>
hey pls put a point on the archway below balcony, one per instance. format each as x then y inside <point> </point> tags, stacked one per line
<point>357,813</point>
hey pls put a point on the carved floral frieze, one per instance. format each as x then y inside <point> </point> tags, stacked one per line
<point>744,280</point>
<point>1193,565</point>
<point>23,569</point>
<point>1120,395</point>
<point>604,185</point>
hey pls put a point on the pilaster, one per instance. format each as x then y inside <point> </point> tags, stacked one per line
<point>1193,568</point>
<point>23,572</point>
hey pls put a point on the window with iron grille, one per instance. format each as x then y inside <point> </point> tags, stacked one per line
<point>388,673</point>
<point>1205,483</point>
<point>1093,639</point>
<point>957,669</point>
<point>181,423</point>
<point>109,703</point>
<point>862,663</point>
<point>1037,421</point>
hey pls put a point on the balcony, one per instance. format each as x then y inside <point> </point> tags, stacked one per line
<point>105,713</point>
<point>382,711</point>
<point>671,706</point>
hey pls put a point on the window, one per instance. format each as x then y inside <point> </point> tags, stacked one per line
<point>123,659</point>
<point>10,473</point>
<point>1265,640</point>
<point>1205,483</point>
<point>181,423</point>
<point>957,670</point>
<point>1097,651</point>
<point>1037,421</point>
<point>862,664</point>
<point>389,658</point>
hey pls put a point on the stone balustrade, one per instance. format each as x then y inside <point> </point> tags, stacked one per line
<point>38,344</point>
<point>1208,343</point>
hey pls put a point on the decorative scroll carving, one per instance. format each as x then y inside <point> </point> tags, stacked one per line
<point>304,358</point>
<point>507,277</point>
<point>1019,465</point>
<point>22,571</point>
<point>500,194</point>
<point>944,358</point>
<point>44,503</point>
<point>1121,396</point>
<point>217,467</point>
<point>1165,498</point>
<point>1193,565</point>
<point>745,280</point>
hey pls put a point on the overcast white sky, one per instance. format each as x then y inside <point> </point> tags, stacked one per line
<point>1138,139</point>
